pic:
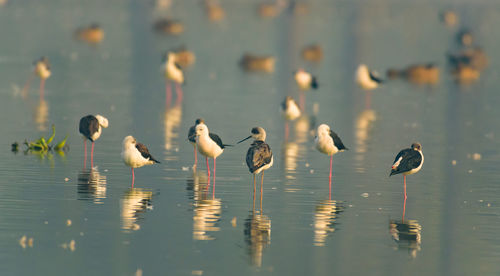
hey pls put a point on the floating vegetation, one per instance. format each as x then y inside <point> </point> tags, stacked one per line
<point>42,145</point>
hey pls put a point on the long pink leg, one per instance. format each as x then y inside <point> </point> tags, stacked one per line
<point>213,190</point>
<point>404,202</point>
<point>368,99</point>
<point>195,157</point>
<point>133,177</point>
<point>92,156</point>
<point>85,159</point>
<point>168,91</point>
<point>330,177</point>
<point>42,88</point>
<point>208,171</point>
<point>261,188</point>
<point>179,92</point>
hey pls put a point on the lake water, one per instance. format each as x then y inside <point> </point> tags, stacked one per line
<point>91,222</point>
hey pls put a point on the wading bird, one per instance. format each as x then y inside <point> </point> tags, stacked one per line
<point>91,129</point>
<point>136,155</point>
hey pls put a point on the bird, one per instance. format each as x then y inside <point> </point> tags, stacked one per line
<point>173,72</point>
<point>259,156</point>
<point>366,79</point>
<point>168,27</point>
<point>254,63</point>
<point>192,138</point>
<point>136,155</point>
<point>92,34</point>
<point>328,142</point>
<point>312,53</point>
<point>416,73</point>
<point>305,81</point>
<point>91,129</point>
<point>408,161</point>
<point>290,111</point>
<point>42,70</point>
<point>209,145</point>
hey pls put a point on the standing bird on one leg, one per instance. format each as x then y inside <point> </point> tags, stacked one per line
<point>259,156</point>
<point>136,155</point>
<point>290,111</point>
<point>408,161</point>
<point>192,139</point>
<point>367,80</point>
<point>91,129</point>
<point>328,142</point>
<point>42,70</point>
<point>305,81</point>
<point>173,72</point>
<point>209,145</point>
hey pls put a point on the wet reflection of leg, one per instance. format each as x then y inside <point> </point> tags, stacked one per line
<point>261,188</point>
<point>92,156</point>
<point>168,92</point>
<point>180,94</point>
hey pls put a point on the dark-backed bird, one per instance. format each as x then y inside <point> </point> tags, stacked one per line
<point>209,145</point>
<point>192,138</point>
<point>408,161</point>
<point>290,111</point>
<point>366,79</point>
<point>329,143</point>
<point>42,70</point>
<point>136,155</point>
<point>305,80</point>
<point>173,72</point>
<point>91,129</point>
<point>259,156</point>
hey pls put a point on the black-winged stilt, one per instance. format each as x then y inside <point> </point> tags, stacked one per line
<point>209,145</point>
<point>192,138</point>
<point>366,79</point>
<point>91,129</point>
<point>42,70</point>
<point>259,156</point>
<point>328,142</point>
<point>92,34</point>
<point>305,81</point>
<point>136,155</point>
<point>173,72</point>
<point>408,161</point>
<point>290,111</point>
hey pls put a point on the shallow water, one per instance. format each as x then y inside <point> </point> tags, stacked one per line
<point>169,223</point>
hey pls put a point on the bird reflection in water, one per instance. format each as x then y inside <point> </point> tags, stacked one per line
<point>364,124</point>
<point>91,185</point>
<point>41,115</point>
<point>206,210</point>
<point>257,234</point>
<point>325,217</point>
<point>172,122</point>
<point>407,235</point>
<point>134,202</point>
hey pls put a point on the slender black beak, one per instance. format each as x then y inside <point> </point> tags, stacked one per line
<point>245,139</point>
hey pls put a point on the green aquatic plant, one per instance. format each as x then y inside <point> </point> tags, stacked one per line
<point>43,146</point>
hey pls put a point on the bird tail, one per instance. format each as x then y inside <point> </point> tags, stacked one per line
<point>314,83</point>
<point>154,160</point>
<point>393,172</point>
<point>226,145</point>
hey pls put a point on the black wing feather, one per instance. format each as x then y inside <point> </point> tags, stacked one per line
<point>336,141</point>
<point>145,152</point>
<point>375,78</point>
<point>217,140</point>
<point>259,154</point>
<point>192,134</point>
<point>88,126</point>
<point>411,159</point>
